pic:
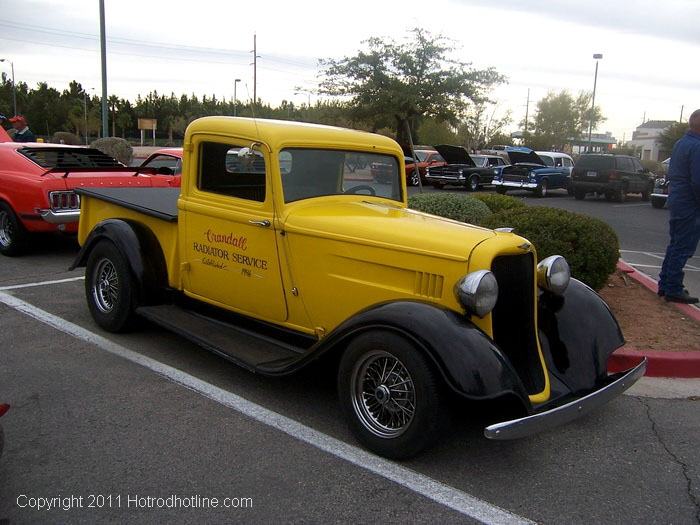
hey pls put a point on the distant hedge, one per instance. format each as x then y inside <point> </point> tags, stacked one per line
<point>64,137</point>
<point>590,245</point>
<point>115,147</point>
<point>451,205</point>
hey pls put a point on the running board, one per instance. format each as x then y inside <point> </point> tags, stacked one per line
<point>251,350</point>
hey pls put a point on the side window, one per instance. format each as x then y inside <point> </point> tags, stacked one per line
<point>567,162</point>
<point>226,170</point>
<point>621,164</point>
<point>636,165</point>
<point>547,160</point>
<point>558,162</point>
<point>493,161</point>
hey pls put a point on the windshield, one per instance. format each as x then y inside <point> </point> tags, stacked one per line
<point>309,173</point>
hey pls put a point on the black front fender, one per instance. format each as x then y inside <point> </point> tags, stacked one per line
<point>141,249</point>
<point>578,332</point>
<point>471,363</point>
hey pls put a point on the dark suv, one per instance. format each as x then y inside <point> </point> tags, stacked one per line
<point>611,175</point>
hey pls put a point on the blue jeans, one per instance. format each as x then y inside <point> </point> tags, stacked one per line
<point>685,234</point>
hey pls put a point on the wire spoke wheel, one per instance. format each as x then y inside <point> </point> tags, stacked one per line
<point>105,286</point>
<point>383,394</point>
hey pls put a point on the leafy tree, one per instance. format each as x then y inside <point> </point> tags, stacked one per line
<point>668,137</point>
<point>561,118</point>
<point>432,132</point>
<point>392,84</point>
<point>478,129</point>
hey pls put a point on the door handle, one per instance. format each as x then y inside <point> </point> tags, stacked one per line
<point>264,223</point>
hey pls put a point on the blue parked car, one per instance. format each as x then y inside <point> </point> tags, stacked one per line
<point>529,171</point>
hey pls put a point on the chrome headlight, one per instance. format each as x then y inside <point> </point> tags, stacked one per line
<point>477,292</point>
<point>553,274</point>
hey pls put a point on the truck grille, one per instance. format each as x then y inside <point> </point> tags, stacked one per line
<point>514,326</point>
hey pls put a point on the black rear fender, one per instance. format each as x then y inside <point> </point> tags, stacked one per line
<point>142,251</point>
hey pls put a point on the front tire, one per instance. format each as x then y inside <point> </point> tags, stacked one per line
<point>542,190</point>
<point>13,236</point>
<point>658,202</point>
<point>109,288</point>
<point>390,395</point>
<point>473,183</point>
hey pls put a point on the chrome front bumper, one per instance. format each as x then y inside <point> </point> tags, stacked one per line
<point>530,425</point>
<point>511,184</point>
<point>662,195</point>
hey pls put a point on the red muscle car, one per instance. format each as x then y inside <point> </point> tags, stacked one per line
<point>37,182</point>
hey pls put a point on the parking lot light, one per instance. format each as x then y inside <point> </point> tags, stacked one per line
<point>596,56</point>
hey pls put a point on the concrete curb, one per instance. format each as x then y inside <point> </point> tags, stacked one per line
<point>660,364</point>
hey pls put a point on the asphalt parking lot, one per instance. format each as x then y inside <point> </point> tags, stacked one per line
<point>125,422</point>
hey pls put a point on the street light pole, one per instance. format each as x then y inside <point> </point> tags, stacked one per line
<point>14,94</point>
<point>597,57</point>
<point>235,100</point>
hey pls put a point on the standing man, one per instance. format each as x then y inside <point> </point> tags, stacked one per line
<point>684,212</point>
<point>22,133</point>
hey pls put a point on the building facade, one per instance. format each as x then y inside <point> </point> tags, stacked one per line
<point>645,138</point>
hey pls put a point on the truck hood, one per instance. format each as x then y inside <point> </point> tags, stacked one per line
<point>455,154</point>
<point>385,225</point>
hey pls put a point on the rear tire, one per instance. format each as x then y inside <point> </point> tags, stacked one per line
<point>390,395</point>
<point>579,195</point>
<point>109,288</point>
<point>14,238</point>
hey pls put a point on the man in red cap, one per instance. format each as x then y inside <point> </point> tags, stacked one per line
<point>22,133</point>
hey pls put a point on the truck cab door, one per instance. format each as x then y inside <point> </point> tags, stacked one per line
<point>230,242</point>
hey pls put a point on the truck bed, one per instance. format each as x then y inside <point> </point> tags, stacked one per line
<point>155,202</point>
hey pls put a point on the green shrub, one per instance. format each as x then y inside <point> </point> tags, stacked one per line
<point>64,137</point>
<point>115,147</point>
<point>497,202</point>
<point>451,205</point>
<point>590,245</point>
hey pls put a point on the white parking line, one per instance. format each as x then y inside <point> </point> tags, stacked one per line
<point>430,488</point>
<point>42,283</point>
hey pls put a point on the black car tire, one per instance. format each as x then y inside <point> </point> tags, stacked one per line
<point>110,288</point>
<point>579,194</point>
<point>649,190</point>
<point>473,183</point>
<point>13,236</point>
<point>438,186</point>
<point>542,189</point>
<point>390,395</point>
<point>658,202</point>
<point>501,190</point>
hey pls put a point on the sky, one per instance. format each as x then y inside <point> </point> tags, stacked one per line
<point>649,69</point>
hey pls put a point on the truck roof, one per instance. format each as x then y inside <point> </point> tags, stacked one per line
<point>284,133</point>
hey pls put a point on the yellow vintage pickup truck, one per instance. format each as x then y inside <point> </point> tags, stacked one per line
<point>279,249</point>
